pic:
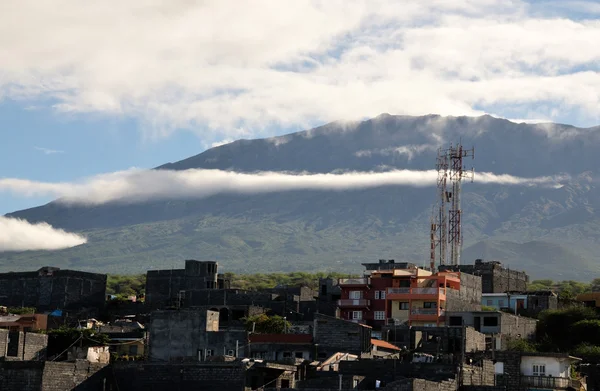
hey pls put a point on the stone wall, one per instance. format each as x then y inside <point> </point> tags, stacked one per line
<point>512,326</point>
<point>337,335</point>
<point>53,376</point>
<point>50,290</point>
<point>134,376</point>
<point>20,346</point>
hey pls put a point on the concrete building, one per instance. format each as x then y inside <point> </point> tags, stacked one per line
<point>51,288</point>
<point>191,335</point>
<point>528,303</point>
<point>166,288</point>
<point>403,292</point>
<point>20,346</point>
<point>499,327</point>
<point>363,300</point>
<point>523,371</point>
<point>495,278</point>
<point>28,322</point>
<point>422,298</point>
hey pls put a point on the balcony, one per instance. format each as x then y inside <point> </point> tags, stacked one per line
<point>415,293</point>
<point>354,282</point>
<point>353,303</point>
<point>547,382</point>
<point>427,314</point>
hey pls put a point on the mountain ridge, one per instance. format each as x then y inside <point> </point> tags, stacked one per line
<point>332,229</point>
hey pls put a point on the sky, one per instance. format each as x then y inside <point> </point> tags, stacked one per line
<point>93,88</point>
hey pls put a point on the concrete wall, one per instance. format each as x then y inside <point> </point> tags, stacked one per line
<point>60,289</point>
<point>495,277</point>
<point>20,346</point>
<point>508,325</point>
<point>184,335</point>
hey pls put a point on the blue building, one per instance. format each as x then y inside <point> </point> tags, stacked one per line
<point>521,302</point>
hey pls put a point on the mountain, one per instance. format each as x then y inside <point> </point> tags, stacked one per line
<point>549,232</point>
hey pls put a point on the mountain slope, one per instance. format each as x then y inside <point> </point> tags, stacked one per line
<point>545,231</point>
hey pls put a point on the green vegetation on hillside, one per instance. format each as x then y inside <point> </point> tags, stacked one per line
<point>566,290</point>
<point>574,330</point>
<point>125,285</point>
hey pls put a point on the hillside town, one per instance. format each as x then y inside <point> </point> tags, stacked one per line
<point>396,327</point>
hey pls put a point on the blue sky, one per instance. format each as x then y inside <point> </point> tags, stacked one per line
<point>92,89</point>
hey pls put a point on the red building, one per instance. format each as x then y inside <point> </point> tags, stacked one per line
<point>363,300</point>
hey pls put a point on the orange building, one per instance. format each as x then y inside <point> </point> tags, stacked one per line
<point>423,301</point>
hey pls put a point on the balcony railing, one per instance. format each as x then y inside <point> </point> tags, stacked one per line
<point>427,311</point>
<point>546,382</point>
<point>354,281</point>
<point>354,303</point>
<point>416,291</point>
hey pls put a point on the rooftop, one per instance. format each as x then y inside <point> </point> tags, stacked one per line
<point>383,344</point>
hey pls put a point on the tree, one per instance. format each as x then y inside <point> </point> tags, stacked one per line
<point>555,326</point>
<point>267,324</point>
<point>520,345</point>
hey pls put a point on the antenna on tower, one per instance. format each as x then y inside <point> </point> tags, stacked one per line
<point>446,226</point>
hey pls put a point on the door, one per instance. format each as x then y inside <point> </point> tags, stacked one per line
<point>477,323</point>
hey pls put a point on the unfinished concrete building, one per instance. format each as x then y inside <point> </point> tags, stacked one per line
<point>51,288</point>
<point>495,278</point>
<point>166,288</point>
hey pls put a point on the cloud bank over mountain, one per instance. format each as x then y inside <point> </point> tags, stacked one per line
<point>19,235</point>
<point>143,185</point>
<point>228,70</point>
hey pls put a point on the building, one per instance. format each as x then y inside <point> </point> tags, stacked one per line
<point>279,347</point>
<point>28,322</point>
<point>21,346</point>
<point>528,303</point>
<point>51,288</point>
<point>590,299</point>
<point>536,371</point>
<point>422,298</point>
<point>191,335</point>
<point>166,288</point>
<point>363,300</point>
<point>500,327</point>
<point>126,338</point>
<point>495,278</point>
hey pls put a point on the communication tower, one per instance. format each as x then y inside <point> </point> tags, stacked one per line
<point>446,235</point>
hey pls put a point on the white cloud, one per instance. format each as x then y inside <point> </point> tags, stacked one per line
<point>230,69</point>
<point>20,235</point>
<point>219,143</point>
<point>409,150</point>
<point>48,151</point>
<point>141,185</point>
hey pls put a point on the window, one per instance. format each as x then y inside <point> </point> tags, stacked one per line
<point>403,305</point>
<point>404,284</point>
<point>455,321</point>
<point>230,352</point>
<point>382,295</point>
<point>379,315</point>
<point>539,369</point>
<point>501,303</point>
<point>490,321</point>
<point>430,304</point>
<point>299,355</point>
<point>489,302</point>
<point>376,295</point>
<point>357,315</point>
<point>287,354</point>
<point>355,294</point>
<point>133,350</point>
<point>209,352</point>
